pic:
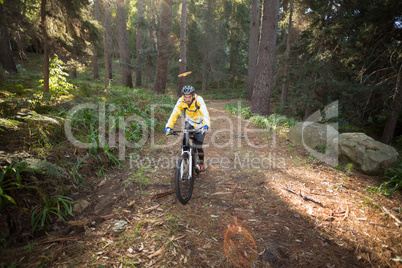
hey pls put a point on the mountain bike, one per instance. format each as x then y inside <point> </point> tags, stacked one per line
<point>187,165</point>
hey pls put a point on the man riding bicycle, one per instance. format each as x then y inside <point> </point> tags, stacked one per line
<point>196,117</point>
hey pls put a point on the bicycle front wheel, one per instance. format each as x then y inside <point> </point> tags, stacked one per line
<point>184,181</point>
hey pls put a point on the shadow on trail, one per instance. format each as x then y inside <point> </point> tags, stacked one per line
<point>284,237</point>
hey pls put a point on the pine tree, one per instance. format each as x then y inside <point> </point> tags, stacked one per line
<point>285,87</point>
<point>183,47</point>
<point>123,44</point>
<point>253,45</point>
<point>266,59</point>
<point>138,73</point>
<point>6,56</point>
<point>163,48</point>
<point>96,12</point>
<point>107,42</point>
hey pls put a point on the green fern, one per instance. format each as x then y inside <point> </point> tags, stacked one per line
<point>58,205</point>
<point>394,176</point>
<point>47,168</point>
<point>10,179</point>
<point>9,124</point>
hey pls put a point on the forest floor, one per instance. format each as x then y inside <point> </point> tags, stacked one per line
<point>249,183</point>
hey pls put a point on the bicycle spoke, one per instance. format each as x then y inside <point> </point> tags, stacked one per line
<point>184,181</point>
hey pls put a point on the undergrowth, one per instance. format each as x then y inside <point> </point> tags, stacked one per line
<point>393,177</point>
<point>51,143</point>
<point>274,122</point>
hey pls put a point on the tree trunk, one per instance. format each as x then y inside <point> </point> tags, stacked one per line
<point>163,54</point>
<point>233,43</point>
<point>207,42</point>
<point>253,46</point>
<point>94,47</point>
<point>6,55</point>
<point>183,42</point>
<point>204,73</point>
<point>73,72</point>
<point>21,49</point>
<point>389,128</point>
<point>285,87</point>
<point>107,39</point>
<point>138,73</point>
<point>310,99</point>
<point>127,79</point>
<point>266,59</point>
<point>154,19</point>
<point>46,48</point>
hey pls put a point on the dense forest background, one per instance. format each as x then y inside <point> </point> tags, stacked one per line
<point>325,50</point>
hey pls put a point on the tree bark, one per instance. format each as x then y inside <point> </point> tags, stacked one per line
<point>107,39</point>
<point>233,43</point>
<point>20,39</point>
<point>154,26</point>
<point>253,46</point>
<point>163,54</point>
<point>46,47</point>
<point>125,56</point>
<point>183,42</point>
<point>396,109</point>
<point>204,73</point>
<point>20,44</point>
<point>207,46</point>
<point>94,47</point>
<point>6,55</point>
<point>138,73</point>
<point>285,87</point>
<point>266,59</point>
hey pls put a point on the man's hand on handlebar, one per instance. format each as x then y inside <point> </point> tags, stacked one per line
<point>204,129</point>
<point>170,131</point>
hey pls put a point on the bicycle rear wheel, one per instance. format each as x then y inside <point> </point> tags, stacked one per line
<point>184,183</point>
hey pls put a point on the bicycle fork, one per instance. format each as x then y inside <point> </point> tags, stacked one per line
<point>190,159</point>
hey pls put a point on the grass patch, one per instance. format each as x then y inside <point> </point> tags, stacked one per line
<point>275,122</point>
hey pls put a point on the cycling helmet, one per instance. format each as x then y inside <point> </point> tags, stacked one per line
<point>186,90</point>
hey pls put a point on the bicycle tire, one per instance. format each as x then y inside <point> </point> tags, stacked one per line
<point>184,184</point>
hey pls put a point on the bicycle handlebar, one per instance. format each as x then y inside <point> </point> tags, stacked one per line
<point>174,132</point>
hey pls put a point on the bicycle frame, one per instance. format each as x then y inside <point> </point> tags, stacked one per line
<point>187,148</point>
<point>184,179</point>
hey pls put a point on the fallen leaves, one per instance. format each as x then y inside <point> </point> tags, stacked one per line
<point>162,249</point>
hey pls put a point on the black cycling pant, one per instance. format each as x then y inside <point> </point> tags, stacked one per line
<point>198,141</point>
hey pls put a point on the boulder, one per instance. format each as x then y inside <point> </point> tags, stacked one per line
<point>312,134</point>
<point>80,206</point>
<point>371,156</point>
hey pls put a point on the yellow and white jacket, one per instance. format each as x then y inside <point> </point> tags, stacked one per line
<point>197,114</point>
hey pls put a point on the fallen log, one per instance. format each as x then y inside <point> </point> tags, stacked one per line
<point>60,239</point>
<point>160,195</point>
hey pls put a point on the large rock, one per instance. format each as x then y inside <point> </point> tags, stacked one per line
<point>80,206</point>
<point>312,134</point>
<point>372,157</point>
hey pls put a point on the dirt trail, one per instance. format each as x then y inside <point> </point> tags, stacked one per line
<point>338,224</point>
